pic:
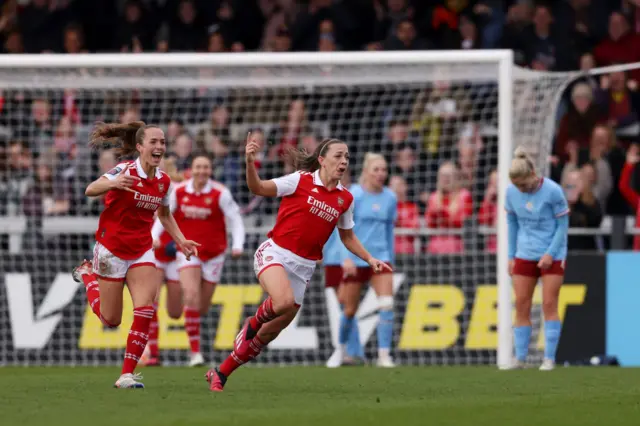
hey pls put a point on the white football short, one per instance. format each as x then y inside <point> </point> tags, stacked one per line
<point>108,266</point>
<point>299,270</point>
<point>170,270</point>
<point>211,269</point>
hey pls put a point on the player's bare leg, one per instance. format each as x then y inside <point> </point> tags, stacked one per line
<point>275,282</point>
<point>267,333</point>
<point>383,286</point>
<point>524,287</point>
<point>190,278</point>
<point>175,305</point>
<point>551,285</point>
<point>206,294</point>
<point>143,288</point>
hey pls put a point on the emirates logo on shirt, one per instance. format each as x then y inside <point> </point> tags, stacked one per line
<point>322,209</point>
<point>193,212</point>
<point>148,202</point>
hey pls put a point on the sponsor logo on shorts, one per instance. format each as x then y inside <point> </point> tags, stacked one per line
<point>268,258</point>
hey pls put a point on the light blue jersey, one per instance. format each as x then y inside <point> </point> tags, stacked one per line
<point>334,251</point>
<point>538,222</point>
<point>375,215</point>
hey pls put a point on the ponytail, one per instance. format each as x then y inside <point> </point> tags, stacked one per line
<point>125,137</point>
<point>300,159</point>
<point>521,165</point>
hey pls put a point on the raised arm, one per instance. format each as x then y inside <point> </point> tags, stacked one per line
<point>116,178</point>
<point>263,188</point>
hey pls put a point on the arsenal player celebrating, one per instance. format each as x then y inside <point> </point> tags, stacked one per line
<point>134,191</point>
<point>313,204</point>
<point>203,208</point>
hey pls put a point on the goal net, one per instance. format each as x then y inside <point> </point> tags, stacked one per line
<point>443,120</point>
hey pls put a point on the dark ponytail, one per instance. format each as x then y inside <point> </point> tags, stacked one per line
<point>302,160</point>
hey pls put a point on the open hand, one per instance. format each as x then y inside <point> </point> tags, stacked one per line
<point>124,181</point>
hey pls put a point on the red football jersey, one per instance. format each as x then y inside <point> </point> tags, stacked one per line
<point>309,213</point>
<point>125,223</point>
<point>201,217</point>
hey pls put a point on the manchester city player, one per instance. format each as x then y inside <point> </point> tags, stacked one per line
<point>538,223</point>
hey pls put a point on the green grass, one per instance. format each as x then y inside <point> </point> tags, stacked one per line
<point>317,396</point>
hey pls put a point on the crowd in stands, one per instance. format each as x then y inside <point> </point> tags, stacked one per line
<point>442,166</point>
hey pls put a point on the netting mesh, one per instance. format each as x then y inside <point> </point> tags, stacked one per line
<point>435,123</point>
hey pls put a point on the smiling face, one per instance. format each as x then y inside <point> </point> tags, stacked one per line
<point>153,146</point>
<point>201,170</point>
<point>335,161</point>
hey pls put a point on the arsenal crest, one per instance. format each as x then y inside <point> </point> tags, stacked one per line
<point>161,187</point>
<point>340,201</point>
<point>207,200</point>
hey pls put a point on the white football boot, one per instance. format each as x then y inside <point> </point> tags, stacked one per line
<point>129,381</point>
<point>196,360</point>
<point>547,365</point>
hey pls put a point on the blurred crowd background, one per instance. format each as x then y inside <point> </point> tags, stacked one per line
<point>441,158</point>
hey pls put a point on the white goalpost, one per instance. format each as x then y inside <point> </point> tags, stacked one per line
<point>420,109</point>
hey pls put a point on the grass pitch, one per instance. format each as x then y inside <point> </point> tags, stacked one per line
<point>298,396</point>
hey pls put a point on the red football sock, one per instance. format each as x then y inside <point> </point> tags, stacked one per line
<point>192,327</point>
<point>153,333</point>
<point>264,314</point>
<point>235,360</point>
<point>138,337</point>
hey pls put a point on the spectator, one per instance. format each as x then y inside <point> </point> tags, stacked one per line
<point>282,41</point>
<point>582,22</point>
<point>405,38</point>
<point>186,30</point>
<point>405,165</point>
<point>174,129</point>
<point>288,133</point>
<point>576,126</point>
<point>181,151</point>
<point>628,191</point>
<point>408,216</point>
<point>621,45</point>
<point>213,135</point>
<point>545,49</point>
<point>74,39</point>
<point>619,99</point>
<point>585,208</point>
<point>305,28</point>
<point>13,43</point>
<point>39,132</point>
<point>20,165</point>
<point>447,208</point>
<point>487,215</point>
<point>397,135</point>
<point>216,43</point>
<point>136,25</point>
<point>41,23</point>
<point>602,142</point>
<point>513,35</point>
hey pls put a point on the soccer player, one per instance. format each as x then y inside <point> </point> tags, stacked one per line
<point>375,208</point>
<point>538,223</point>
<point>134,190</point>
<point>203,208</point>
<point>313,204</point>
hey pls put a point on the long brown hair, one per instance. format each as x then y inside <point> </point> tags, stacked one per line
<point>306,162</point>
<point>125,137</point>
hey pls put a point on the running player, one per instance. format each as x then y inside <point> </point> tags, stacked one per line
<point>134,190</point>
<point>538,223</point>
<point>313,204</point>
<point>203,208</point>
<point>375,209</point>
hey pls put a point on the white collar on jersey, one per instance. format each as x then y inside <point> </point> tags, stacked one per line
<point>191,190</point>
<point>141,172</point>
<point>318,182</point>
